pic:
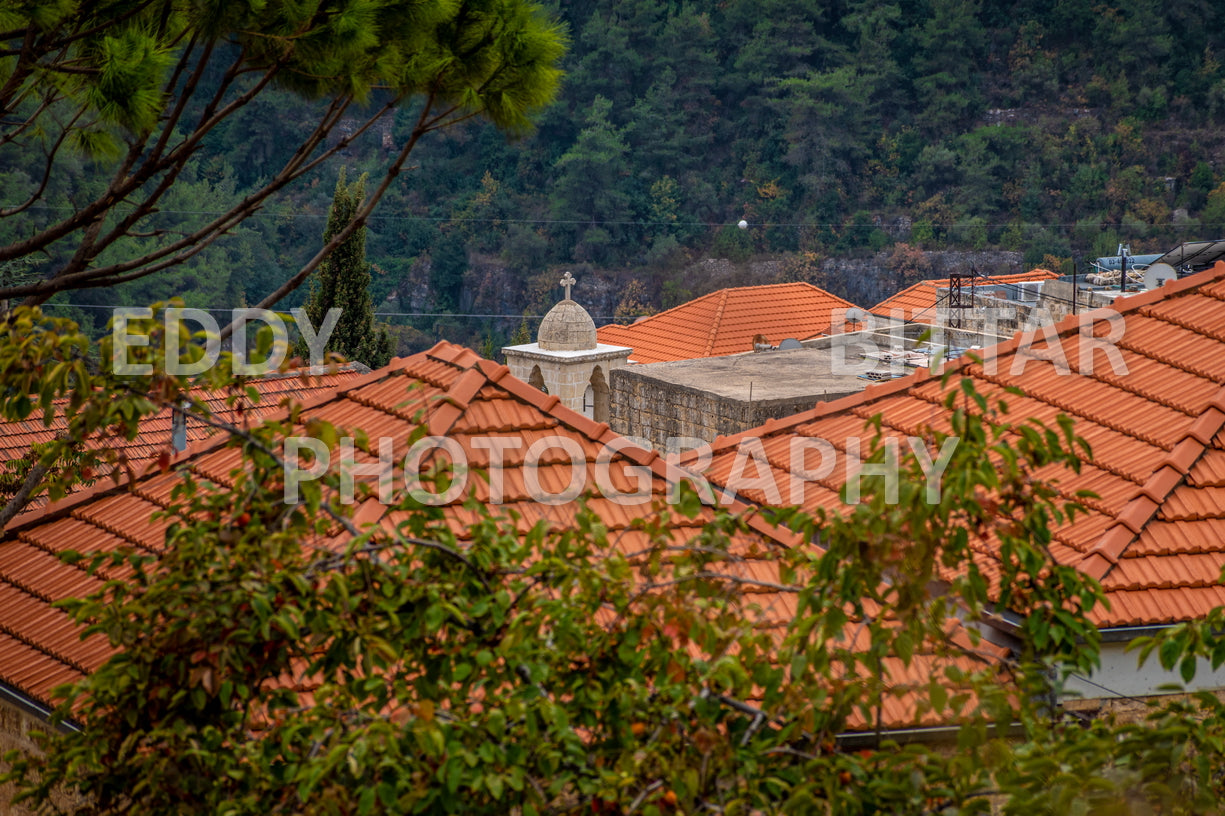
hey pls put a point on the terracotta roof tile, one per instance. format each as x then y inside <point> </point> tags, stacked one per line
<point>1151,605</point>
<point>40,648</point>
<point>1209,470</point>
<point>1155,535</point>
<point>17,436</point>
<point>1184,536</point>
<point>918,302</point>
<point>726,321</point>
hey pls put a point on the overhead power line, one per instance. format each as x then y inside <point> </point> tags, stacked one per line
<point>599,222</point>
<point>376,314</point>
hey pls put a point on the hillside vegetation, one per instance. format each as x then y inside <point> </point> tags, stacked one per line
<point>1054,128</point>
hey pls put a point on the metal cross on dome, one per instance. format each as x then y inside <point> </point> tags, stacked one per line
<point>567,281</point>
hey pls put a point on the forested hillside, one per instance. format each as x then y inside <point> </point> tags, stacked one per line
<point>1055,128</point>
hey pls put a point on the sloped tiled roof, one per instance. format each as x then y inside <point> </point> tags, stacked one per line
<point>726,321</point>
<point>461,397</point>
<point>918,302</point>
<point>18,436</point>
<point>1155,536</point>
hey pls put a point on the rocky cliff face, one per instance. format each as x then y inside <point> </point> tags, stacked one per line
<point>868,281</point>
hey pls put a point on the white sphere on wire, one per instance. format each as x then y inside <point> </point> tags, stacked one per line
<point>743,224</point>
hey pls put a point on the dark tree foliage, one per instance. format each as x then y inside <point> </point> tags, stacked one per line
<point>343,282</point>
<point>110,110</point>
<point>805,115</point>
<point>828,126</point>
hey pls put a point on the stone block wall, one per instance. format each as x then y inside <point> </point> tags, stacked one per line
<point>568,375</point>
<point>15,727</point>
<point>1057,299</point>
<point>649,409</point>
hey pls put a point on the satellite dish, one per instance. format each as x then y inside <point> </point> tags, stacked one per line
<point>1157,274</point>
<point>790,344</point>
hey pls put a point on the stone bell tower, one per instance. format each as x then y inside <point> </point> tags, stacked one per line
<point>568,360</point>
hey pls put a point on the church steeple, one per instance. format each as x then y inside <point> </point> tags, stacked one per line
<point>567,326</point>
<point>567,358</point>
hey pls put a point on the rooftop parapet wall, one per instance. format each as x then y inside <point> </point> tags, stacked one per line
<point>653,411</point>
<point>710,397</point>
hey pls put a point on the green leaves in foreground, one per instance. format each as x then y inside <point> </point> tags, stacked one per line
<point>274,661</point>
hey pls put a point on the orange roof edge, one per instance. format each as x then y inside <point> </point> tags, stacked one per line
<point>64,506</point>
<point>1071,322</point>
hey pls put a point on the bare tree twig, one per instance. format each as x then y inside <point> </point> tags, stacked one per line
<point>642,797</point>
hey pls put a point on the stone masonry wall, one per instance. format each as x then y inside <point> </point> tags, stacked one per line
<point>652,410</point>
<point>15,727</point>
<point>1057,299</point>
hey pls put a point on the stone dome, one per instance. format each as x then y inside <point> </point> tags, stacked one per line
<point>567,327</point>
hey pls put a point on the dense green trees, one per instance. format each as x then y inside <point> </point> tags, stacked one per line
<point>589,198</point>
<point>676,119</point>
<point>981,119</point>
<point>343,283</point>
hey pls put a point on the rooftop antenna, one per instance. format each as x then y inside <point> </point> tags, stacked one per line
<point>1075,268</point>
<point>957,300</point>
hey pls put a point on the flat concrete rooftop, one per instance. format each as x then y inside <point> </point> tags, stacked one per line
<point>770,375</point>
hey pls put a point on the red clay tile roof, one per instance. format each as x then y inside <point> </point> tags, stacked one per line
<point>726,321</point>
<point>1155,537</point>
<point>918,302</point>
<point>18,436</point>
<point>462,397</point>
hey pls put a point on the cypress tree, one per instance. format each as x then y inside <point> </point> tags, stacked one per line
<point>343,281</point>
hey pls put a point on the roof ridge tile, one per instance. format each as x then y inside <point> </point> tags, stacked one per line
<point>445,351</point>
<point>716,322</point>
<point>466,387</point>
<point>1167,476</point>
<point>1209,422</point>
<point>1162,482</point>
<point>1138,511</point>
<point>445,416</point>
<point>1098,561</point>
<point>494,372</point>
